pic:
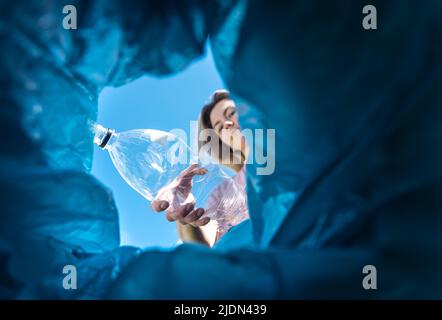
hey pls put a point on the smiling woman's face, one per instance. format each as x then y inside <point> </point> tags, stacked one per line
<point>224,120</point>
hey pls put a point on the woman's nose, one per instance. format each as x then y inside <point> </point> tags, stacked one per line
<point>228,124</point>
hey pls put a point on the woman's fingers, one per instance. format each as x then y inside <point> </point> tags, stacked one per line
<point>180,213</point>
<point>193,216</point>
<point>186,215</point>
<point>159,205</point>
<point>190,172</point>
<point>201,222</point>
<point>199,171</point>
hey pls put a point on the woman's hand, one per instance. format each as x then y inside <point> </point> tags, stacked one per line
<point>179,191</point>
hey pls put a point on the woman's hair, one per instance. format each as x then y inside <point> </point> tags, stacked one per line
<point>203,139</point>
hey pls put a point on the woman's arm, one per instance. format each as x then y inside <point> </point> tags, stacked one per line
<point>189,233</point>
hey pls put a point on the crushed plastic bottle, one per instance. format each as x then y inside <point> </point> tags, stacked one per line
<point>157,164</point>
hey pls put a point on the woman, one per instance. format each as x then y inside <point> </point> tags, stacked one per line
<point>218,119</point>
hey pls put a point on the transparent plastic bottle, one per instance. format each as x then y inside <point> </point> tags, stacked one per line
<point>152,162</point>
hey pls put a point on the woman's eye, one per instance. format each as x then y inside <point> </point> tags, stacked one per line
<point>232,113</point>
